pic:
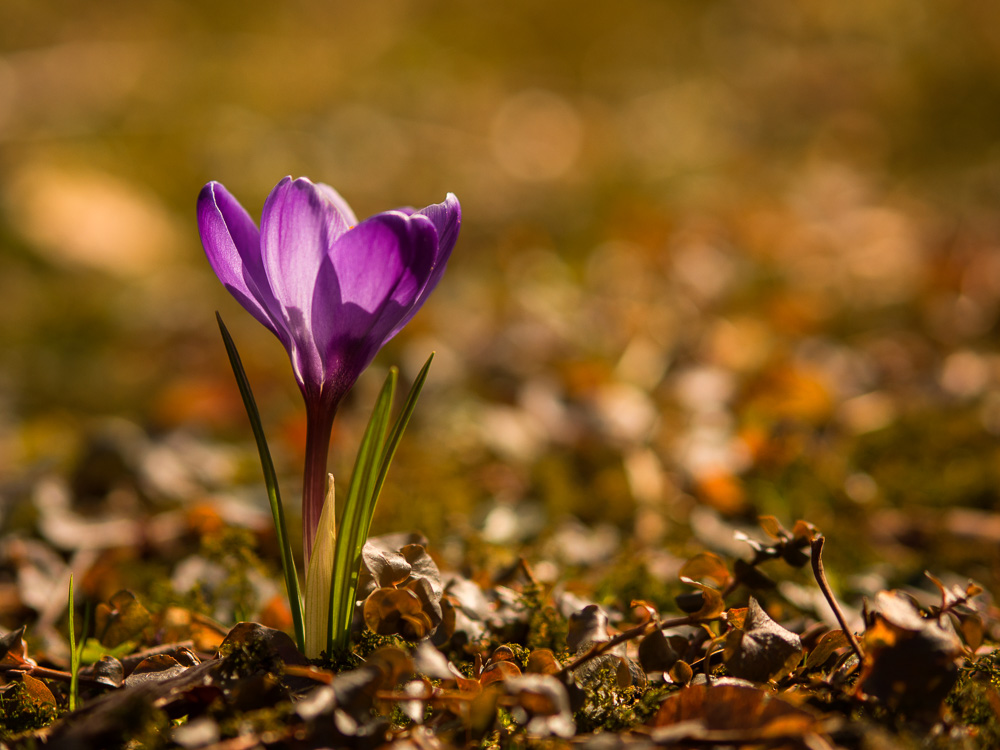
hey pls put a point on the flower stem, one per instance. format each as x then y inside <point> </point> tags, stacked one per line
<point>319,423</point>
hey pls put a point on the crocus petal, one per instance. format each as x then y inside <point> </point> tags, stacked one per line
<point>447,219</point>
<point>339,203</point>
<point>299,223</point>
<point>232,244</point>
<point>388,256</point>
<point>298,226</point>
<point>374,275</point>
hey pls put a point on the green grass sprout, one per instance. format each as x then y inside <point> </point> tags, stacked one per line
<point>74,652</point>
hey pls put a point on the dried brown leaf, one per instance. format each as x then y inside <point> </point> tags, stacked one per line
<point>762,648</point>
<point>385,609</point>
<point>731,714</point>
<point>106,671</point>
<point>909,662</point>
<point>123,618</point>
<point>804,530</point>
<point>656,653</point>
<point>277,643</point>
<point>154,669</point>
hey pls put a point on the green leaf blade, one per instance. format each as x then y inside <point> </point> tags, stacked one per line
<point>357,516</point>
<point>271,481</point>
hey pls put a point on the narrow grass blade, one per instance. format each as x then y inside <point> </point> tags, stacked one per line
<point>74,652</point>
<point>354,524</point>
<point>318,578</point>
<point>271,480</point>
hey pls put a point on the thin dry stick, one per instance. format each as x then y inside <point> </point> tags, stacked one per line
<point>824,586</point>
<point>639,630</point>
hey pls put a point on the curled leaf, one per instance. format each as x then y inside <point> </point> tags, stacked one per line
<point>712,604</point>
<point>13,650</point>
<point>681,672</point>
<point>502,653</point>
<point>497,671</point>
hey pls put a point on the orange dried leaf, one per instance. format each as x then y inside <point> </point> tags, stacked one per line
<point>733,714</point>
<point>501,670</point>
<point>323,676</point>
<point>681,673</point>
<point>773,528</point>
<point>706,565</point>
<point>736,616</point>
<point>543,661</point>
<point>644,611</point>
<point>804,530</point>
<point>393,662</point>
<point>37,691</point>
<point>973,631</point>
<point>502,653</point>
<point>827,646</point>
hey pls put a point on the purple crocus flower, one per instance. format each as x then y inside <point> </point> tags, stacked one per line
<point>332,290</point>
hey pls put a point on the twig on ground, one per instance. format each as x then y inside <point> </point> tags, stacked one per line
<point>638,631</point>
<point>824,586</point>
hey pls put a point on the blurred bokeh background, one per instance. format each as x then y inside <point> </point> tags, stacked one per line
<point>718,259</point>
